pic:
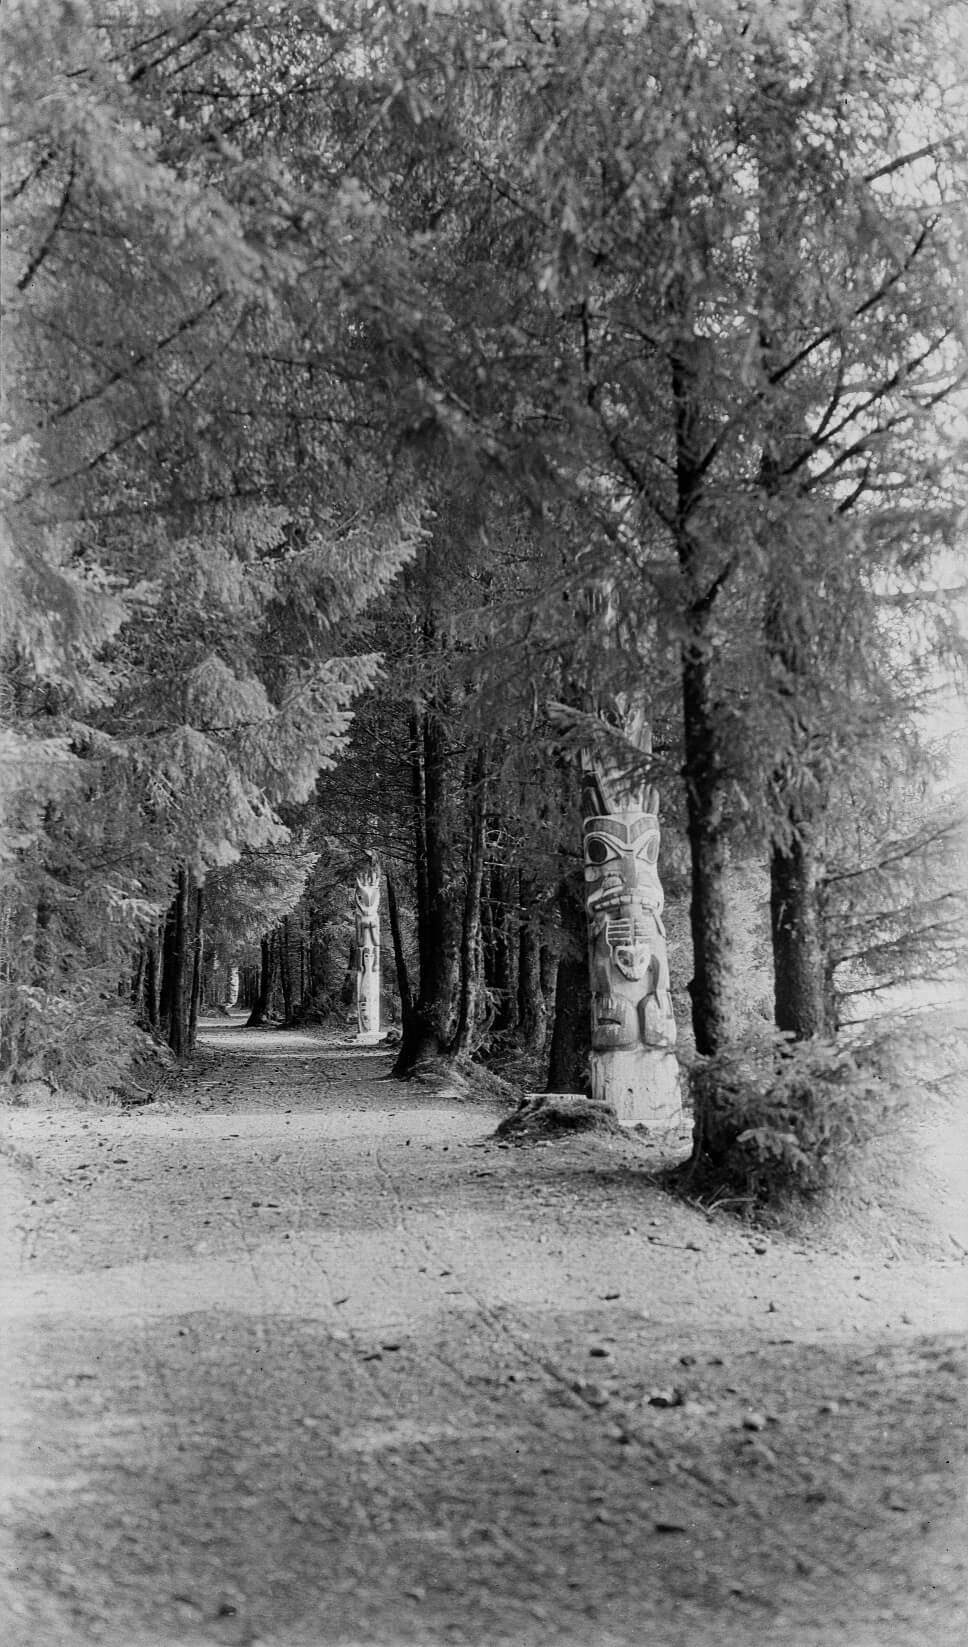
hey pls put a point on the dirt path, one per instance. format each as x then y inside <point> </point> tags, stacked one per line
<point>300,1356</point>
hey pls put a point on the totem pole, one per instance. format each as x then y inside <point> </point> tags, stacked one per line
<point>634,1069</point>
<point>367,912</point>
<point>223,992</point>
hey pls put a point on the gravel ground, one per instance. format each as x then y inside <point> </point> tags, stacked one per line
<point>301,1356</point>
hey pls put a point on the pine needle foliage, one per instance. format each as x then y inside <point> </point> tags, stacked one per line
<point>784,1122</point>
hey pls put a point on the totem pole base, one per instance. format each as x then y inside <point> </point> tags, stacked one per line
<point>641,1088</point>
<point>368,1037</point>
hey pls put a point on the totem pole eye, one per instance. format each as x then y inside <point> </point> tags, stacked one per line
<point>649,850</point>
<point>598,851</point>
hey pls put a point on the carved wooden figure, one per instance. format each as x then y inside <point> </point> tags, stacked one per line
<point>633,1066</point>
<point>367,912</point>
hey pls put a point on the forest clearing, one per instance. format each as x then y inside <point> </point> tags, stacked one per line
<point>303,1357</point>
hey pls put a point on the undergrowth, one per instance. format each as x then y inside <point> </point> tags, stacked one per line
<point>783,1122</point>
<point>87,1047</point>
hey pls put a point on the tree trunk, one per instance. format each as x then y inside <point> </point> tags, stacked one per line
<point>399,959</point>
<point>167,981</point>
<point>532,1011</point>
<point>465,1037</point>
<point>178,1033</point>
<point>803,1003</point>
<point>571,1032</point>
<point>198,951</point>
<point>711,988</point>
<point>149,989</point>
<point>313,959</point>
<point>137,985</point>
<point>249,986</point>
<point>429,1030</point>
<point>285,972</point>
<point>502,901</point>
<point>210,994</point>
<point>549,974</point>
<point>441,961</point>
<point>260,1010</point>
<point>800,972</point>
<point>489,937</point>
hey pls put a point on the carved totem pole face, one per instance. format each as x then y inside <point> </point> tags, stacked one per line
<point>368,911</point>
<point>623,902</point>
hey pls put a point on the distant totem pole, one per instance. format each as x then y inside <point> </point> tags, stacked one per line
<point>367,912</point>
<point>223,991</point>
<point>634,1069</point>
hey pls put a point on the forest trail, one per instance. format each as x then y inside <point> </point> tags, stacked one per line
<point>302,1357</point>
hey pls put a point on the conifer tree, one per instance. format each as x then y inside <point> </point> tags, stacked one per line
<point>184,556</point>
<point>728,323</point>
<point>680,291</point>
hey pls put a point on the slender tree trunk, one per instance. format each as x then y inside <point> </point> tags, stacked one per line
<point>571,1031</point>
<point>399,959</point>
<point>418,777</point>
<point>198,955</point>
<point>712,988</point>
<point>464,1040</point>
<point>803,1004</point>
<point>178,1020</point>
<point>532,1011</point>
<point>803,1000</point>
<point>210,994</point>
<point>505,948</point>
<point>800,970</point>
<point>149,992</point>
<point>137,985</point>
<point>167,982</point>
<point>442,962</point>
<point>285,972</point>
<point>549,974</point>
<point>438,933</point>
<point>313,959</point>
<point>248,986</point>
<point>260,1010</point>
<point>9,1026</point>
<point>43,949</point>
<point>489,937</point>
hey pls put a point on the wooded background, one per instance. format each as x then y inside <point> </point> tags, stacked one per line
<point>351,350</point>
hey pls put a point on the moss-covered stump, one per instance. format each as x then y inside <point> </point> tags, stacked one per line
<point>554,1115</point>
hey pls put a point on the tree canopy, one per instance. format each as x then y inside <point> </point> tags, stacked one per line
<point>352,352</point>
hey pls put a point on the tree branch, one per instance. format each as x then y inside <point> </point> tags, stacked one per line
<point>869,303</point>
<point>903,850</point>
<point>134,365</point>
<point>816,443</point>
<point>777,377</point>
<point>48,239</point>
<point>184,40</point>
<point>908,159</point>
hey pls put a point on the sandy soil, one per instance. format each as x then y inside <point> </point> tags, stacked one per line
<point>303,1357</point>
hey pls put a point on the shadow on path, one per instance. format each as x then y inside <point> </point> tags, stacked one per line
<point>306,1358</point>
